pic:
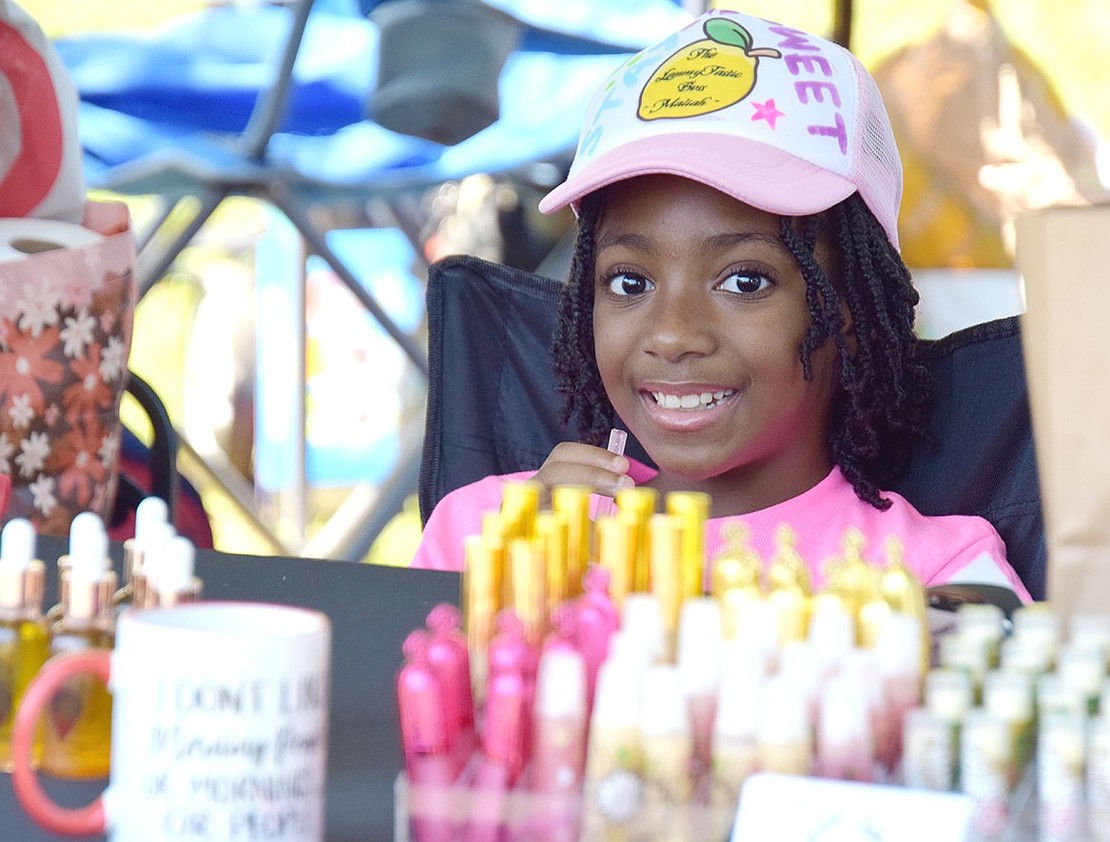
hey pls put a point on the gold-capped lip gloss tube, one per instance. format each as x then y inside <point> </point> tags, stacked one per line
<point>693,509</point>
<point>520,503</point>
<point>529,598</point>
<point>641,503</point>
<point>481,593</point>
<point>616,543</point>
<point>552,530</point>
<point>496,538</point>
<point>573,501</point>
<point>665,538</point>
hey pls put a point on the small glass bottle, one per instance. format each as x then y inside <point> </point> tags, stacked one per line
<point>23,637</point>
<point>77,734</point>
<point>172,580</point>
<point>151,521</point>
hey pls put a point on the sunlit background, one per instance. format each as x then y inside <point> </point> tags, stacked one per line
<point>999,107</point>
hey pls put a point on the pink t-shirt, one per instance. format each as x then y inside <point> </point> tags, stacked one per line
<point>940,550</point>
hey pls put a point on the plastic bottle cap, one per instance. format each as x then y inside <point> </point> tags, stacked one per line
<point>88,548</point>
<point>832,632</point>
<point>17,543</point>
<point>561,684</point>
<point>642,621</point>
<point>617,698</point>
<point>662,704</point>
<point>798,664</point>
<point>175,568</point>
<point>700,640</point>
<point>17,550</point>
<point>949,693</point>
<point>843,715</point>
<point>1009,695</point>
<point>783,714</point>
<point>738,702</point>
<point>150,514</point>
<point>899,645</point>
<point>1082,665</point>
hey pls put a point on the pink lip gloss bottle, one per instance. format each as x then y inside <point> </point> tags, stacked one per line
<point>449,659</point>
<point>501,757</point>
<point>428,763</point>
<point>596,620</point>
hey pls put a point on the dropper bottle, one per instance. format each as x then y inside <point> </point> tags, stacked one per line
<point>23,637</point>
<point>173,581</point>
<point>77,736</point>
<point>151,520</point>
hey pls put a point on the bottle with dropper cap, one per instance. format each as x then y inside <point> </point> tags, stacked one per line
<point>151,527</point>
<point>77,736</point>
<point>173,582</point>
<point>23,639</point>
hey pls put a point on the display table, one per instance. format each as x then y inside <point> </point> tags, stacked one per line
<point>372,609</point>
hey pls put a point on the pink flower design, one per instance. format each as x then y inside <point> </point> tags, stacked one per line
<point>87,393</point>
<point>27,366</point>
<point>75,461</point>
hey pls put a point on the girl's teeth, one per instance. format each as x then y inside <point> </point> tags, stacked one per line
<point>706,400</point>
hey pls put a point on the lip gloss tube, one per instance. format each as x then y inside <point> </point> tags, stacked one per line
<point>985,758</point>
<point>844,750</point>
<point>639,504</point>
<point>700,640</point>
<point>596,619</point>
<point>692,509</point>
<point>559,745</point>
<point>665,739</point>
<point>449,659</point>
<point>784,728</point>
<point>428,762</point>
<point>736,724</point>
<point>502,755</point>
<point>665,556</point>
<point>481,599</point>
<point>1061,762</point>
<point>573,503</point>
<point>736,577</point>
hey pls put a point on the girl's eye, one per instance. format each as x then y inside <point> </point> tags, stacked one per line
<point>626,283</point>
<point>745,283</point>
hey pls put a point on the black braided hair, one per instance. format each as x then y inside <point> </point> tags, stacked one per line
<point>880,409</point>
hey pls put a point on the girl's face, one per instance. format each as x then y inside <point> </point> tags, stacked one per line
<point>699,317</point>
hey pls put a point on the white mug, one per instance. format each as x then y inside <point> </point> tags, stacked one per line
<point>219,726</point>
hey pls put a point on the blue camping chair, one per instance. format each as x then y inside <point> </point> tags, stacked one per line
<point>269,101</point>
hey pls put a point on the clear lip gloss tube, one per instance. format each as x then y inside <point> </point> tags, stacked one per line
<point>700,640</point>
<point>986,755</point>
<point>1061,765</point>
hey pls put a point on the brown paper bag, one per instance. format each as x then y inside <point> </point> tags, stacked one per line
<point>1063,255</point>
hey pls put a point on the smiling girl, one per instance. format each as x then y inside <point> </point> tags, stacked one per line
<point>737,302</point>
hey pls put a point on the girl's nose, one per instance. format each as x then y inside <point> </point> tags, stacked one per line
<point>680,325</point>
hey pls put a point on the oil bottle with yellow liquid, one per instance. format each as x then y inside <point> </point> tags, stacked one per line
<point>77,728</point>
<point>23,633</point>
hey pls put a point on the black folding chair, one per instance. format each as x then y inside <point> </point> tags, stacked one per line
<point>492,406</point>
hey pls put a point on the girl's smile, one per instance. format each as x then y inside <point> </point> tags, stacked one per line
<point>699,318</point>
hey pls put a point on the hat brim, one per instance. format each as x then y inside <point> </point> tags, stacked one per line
<point>752,172</point>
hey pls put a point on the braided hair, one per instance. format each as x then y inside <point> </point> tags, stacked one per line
<point>880,409</point>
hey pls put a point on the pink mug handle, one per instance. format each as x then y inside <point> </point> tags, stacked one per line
<point>59,669</point>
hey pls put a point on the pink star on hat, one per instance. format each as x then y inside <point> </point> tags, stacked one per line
<point>767,111</point>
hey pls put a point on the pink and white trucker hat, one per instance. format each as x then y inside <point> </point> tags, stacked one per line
<point>780,119</point>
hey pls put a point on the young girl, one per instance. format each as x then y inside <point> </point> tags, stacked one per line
<point>737,302</point>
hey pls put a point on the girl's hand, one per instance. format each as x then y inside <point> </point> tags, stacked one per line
<point>573,463</point>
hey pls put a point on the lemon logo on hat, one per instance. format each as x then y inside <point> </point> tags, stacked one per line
<point>708,75</point>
